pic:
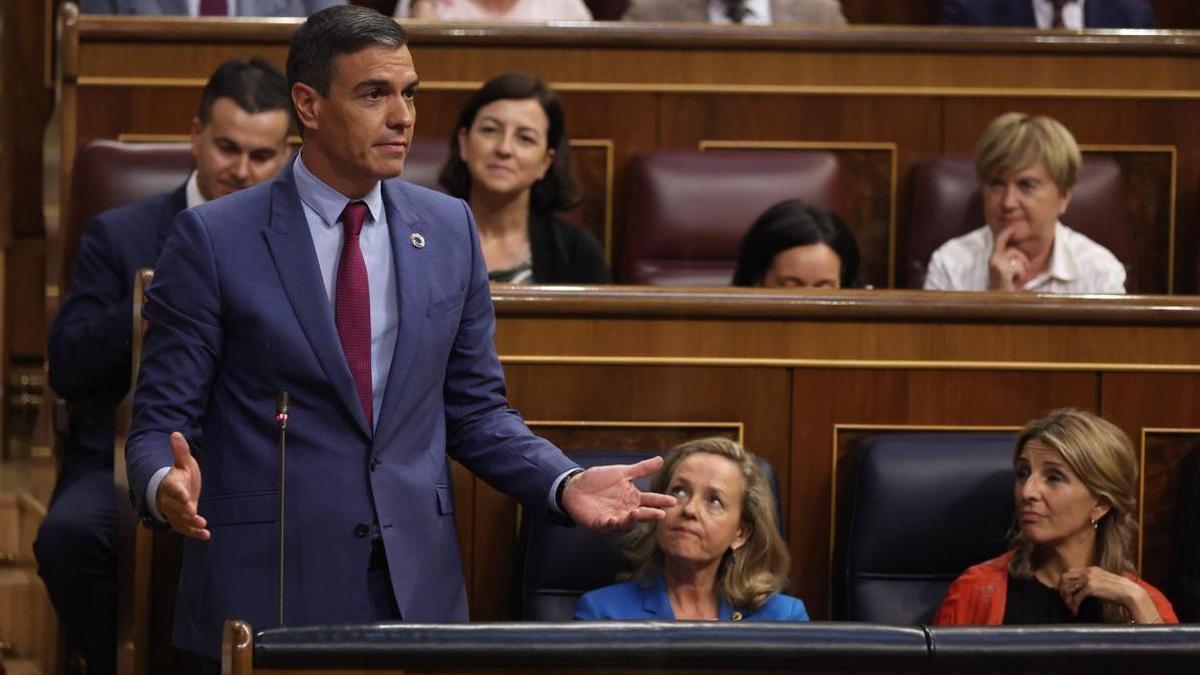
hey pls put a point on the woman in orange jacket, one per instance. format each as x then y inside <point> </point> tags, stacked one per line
<point>1071,560</point>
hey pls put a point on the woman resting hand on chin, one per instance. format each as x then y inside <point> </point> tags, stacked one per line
<point>1071,561</point>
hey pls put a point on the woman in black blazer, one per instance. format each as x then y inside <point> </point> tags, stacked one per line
<point>510,159</point>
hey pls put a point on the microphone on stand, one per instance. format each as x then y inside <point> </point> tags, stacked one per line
<point>281,420</point>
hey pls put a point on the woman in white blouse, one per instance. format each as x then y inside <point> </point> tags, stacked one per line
<point>488,10</point>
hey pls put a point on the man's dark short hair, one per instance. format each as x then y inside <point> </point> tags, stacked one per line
<point>786,225</point>
<point>343,29</point>
<point>255,86</point>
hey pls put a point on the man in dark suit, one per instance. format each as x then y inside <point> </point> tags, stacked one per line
<point>1050,14</point>
<point>366,300</point>
<point>239,138</point>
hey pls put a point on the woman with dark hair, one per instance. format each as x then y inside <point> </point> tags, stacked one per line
<point>794,244</point>
<point>1072,556</point>
<point>510,159</point>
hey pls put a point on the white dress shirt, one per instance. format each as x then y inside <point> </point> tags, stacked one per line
<point>758,12</point>
<point>1043,11</point>
<point>1077,265</point>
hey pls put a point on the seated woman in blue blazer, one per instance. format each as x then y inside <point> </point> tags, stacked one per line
<point>717,554</point>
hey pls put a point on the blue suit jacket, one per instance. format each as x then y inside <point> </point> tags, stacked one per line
<point>238,312</point>
<point>88,350</point>
<point>631,601</point>
<point>1096,13</point>
<point>244,7</point>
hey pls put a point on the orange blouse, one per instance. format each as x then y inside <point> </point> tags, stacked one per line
<point>977,596</point>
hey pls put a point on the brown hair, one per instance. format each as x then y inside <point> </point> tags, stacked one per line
<point>754,572</point>
<point>1102,457</point>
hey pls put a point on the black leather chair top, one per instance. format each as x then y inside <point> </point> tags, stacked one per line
<point>679,644</point>
<point>923,508</point>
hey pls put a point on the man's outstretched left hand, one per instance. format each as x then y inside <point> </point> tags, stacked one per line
<point>605,498</point>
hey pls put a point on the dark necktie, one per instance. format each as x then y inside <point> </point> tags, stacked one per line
<point>1057,22</point>
<point>736,10</point>
<point>352,307</point>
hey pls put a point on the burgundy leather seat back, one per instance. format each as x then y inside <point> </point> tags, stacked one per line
<point>689,209</point>
<point>947,204</point>
<point>108,174</point>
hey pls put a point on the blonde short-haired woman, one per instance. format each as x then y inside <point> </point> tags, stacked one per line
<point>1027,166</point>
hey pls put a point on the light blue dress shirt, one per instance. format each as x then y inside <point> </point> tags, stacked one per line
<point>323,208</point>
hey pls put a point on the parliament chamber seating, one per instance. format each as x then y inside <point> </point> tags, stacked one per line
<point>922,508</point>
<point>688,209</point>
<point>946,203</point>
<point>562,563</point>
<point>108,174</point>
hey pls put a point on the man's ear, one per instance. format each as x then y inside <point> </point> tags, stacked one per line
<point>194,135</point>
<point>308,103</point>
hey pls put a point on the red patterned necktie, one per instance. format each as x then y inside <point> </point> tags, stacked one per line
<point>1057,22</point>
<point>352,307</point>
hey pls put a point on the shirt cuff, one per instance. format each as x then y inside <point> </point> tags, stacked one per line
<point>555,495</point>
<point>152,493</point>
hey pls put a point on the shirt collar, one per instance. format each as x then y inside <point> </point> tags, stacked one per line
<point>192,191</point>
<point>327,202</point>
<point>1062,265</point>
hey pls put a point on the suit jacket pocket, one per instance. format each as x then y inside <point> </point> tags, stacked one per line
<point>240,509</point>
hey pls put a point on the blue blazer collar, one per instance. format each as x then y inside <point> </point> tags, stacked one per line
<point>657,605</point>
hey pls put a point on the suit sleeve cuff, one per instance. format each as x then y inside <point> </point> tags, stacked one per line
<point>556,491</point>
<point>152,493</point>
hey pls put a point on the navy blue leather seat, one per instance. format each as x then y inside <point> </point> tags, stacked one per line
<point>922,508</point>
<point>561,563</point>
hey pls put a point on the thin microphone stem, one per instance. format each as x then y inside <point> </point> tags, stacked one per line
<point>281,420</point>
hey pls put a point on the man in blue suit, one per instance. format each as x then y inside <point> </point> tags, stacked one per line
<point>366,300</point>
<point>239,138</point>
<point>1041,13</point>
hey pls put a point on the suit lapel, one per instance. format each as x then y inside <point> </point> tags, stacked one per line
<point>411,267</point>
<point>300,274</point>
